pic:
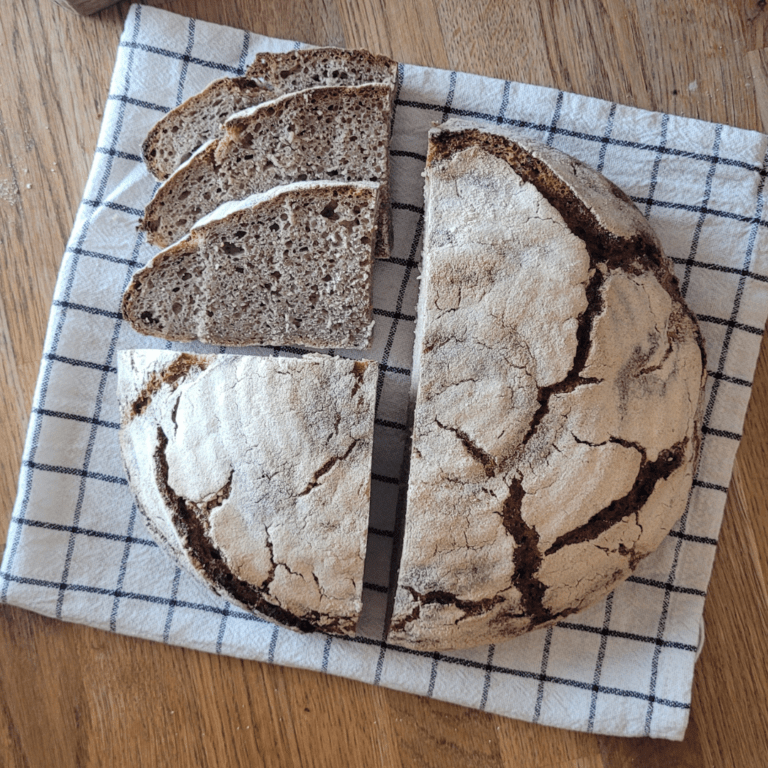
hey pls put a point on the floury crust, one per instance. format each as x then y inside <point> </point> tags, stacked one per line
<point>254,473</point>
<point>560,383</point>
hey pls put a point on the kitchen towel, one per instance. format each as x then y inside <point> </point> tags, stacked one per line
<point>78,550</point>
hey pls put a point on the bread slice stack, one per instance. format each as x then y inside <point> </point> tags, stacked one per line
<point>264,216</point>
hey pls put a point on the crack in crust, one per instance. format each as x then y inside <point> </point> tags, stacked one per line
<point>191,523</point>
<point>475,451</point>
<point>648,476</point>
<point>326,468</point>
<point>527,554</point>
<point>470,607</point>
<point>172,376</point>
<point>632,255</point>
<point>573,378</point>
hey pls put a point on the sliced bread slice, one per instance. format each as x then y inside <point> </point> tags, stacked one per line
<point>254,474</point>
<point>560,379</point>
<point>339,133</point>
<point>289,266</point>
<point>198,119</point>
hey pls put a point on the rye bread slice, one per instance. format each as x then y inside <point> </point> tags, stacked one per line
<point>559,394</point>
<point>254,474</point>
<point>291,266</point>
<point>337,132</point>
<point>184,129</point>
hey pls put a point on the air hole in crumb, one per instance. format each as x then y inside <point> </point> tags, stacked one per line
<point>231,249</point>
<point>329,212</point>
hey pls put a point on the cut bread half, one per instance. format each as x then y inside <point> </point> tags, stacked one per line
<point>337,132</point>
<point>290,266</point>
<point>254,474</point>
<point>560,381</point>
<point>198,119</point>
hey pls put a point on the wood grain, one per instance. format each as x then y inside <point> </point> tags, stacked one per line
<point>73,696</point>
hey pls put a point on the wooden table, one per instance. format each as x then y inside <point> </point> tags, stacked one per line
<point>72,696</point>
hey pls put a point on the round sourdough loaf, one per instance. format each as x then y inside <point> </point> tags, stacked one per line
<point>559,380</point>
<point>254,473</point>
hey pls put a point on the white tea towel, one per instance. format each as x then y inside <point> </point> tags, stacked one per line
<point>78,550</point>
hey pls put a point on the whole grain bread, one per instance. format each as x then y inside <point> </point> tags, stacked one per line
<point>254,474</point>
<point>559,387</point>
<point>335,132</point>
<point>289,266</point>
<point>198,119</point>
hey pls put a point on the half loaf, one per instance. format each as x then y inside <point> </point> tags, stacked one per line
<point>289,266</point>
<point>254,473</point>
<point>190,125</point>
<point>560,385</point>
<point>337,132</point>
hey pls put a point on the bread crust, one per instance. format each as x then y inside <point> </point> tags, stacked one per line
<point>559,393</point>
<point>254,474</point>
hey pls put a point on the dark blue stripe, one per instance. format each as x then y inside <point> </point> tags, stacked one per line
<point>181,57</point>
<point>76,471</point>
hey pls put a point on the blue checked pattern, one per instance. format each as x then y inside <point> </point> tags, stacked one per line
<point>77,549</point>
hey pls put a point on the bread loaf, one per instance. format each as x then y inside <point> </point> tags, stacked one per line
<point>289,266</point>
<point>254,474</point>
<point>336,133</point>
<point>198,119</point>
<point>559,381</point>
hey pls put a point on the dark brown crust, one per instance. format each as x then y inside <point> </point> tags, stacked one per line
<point>191,523</point>
<point>172,376</point>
